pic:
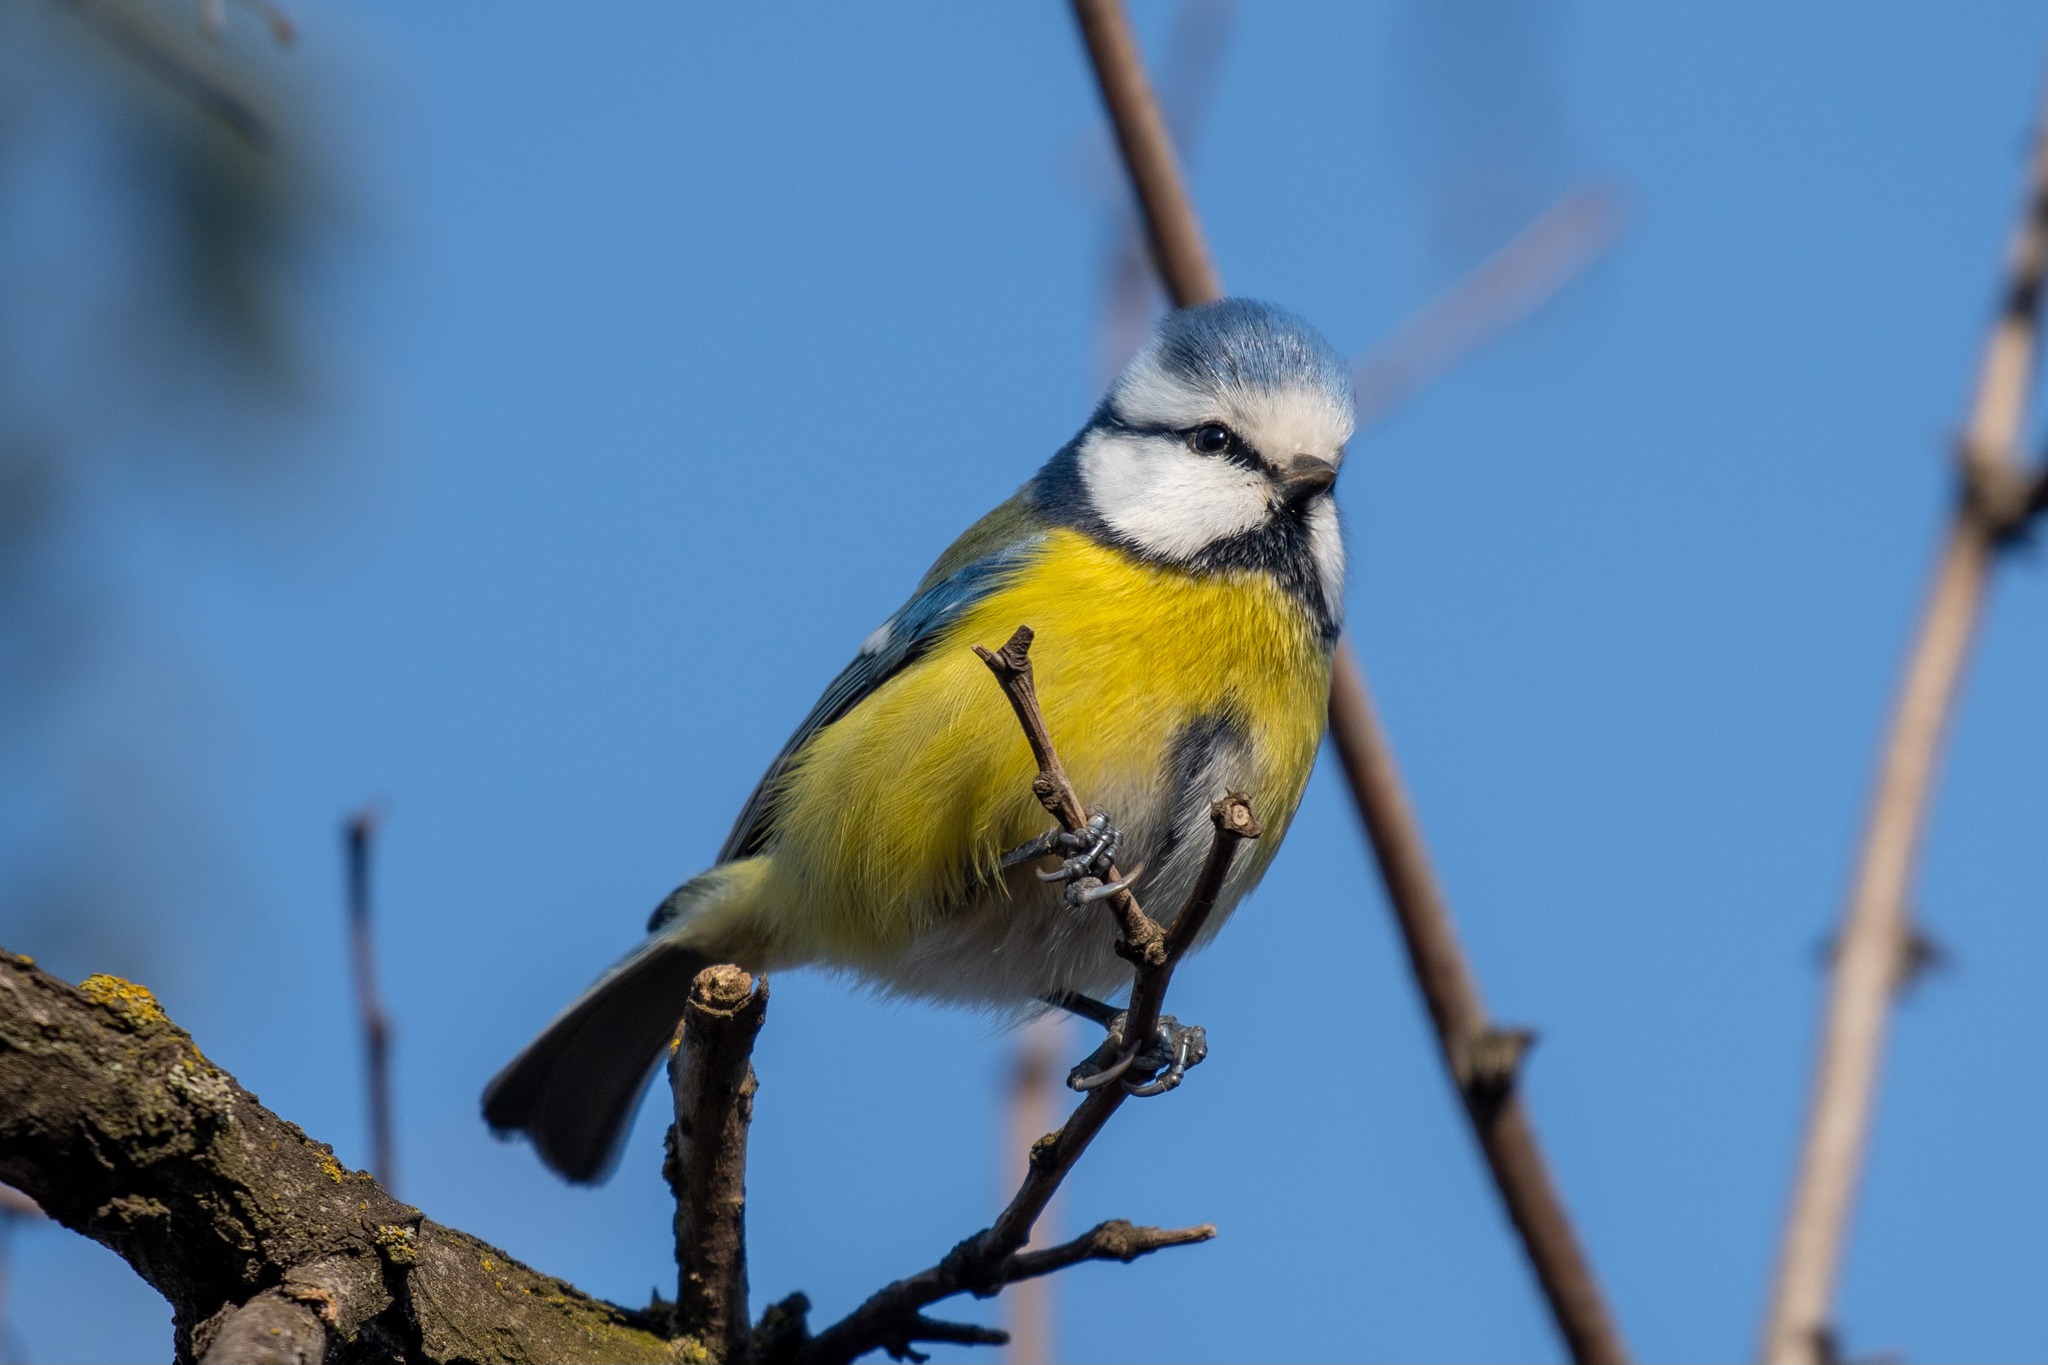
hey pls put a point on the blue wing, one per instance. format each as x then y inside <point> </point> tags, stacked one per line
<point>902,641</point>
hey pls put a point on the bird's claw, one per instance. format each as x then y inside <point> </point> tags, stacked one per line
<point>1084,855</point>
<point>1088,890</point>
<point>1172,1049</point>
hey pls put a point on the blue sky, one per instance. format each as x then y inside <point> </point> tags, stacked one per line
<point>670,344</point>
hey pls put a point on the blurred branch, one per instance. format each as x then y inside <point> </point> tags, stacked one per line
<point>180,62</point>
<point>115,1123</point>
<point>1505,289</point>
<point>1995,500</point>
<point>1194,54</point>
<point>1032,1110</point>
<point>1178,248</point>
<point>891,1319</point>
<point>1473,1050</point>
<point>358,837</point>
<point>712,1076</point>
<point>214,14</point>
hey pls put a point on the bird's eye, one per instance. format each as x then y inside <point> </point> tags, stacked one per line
<point>1211,438</point>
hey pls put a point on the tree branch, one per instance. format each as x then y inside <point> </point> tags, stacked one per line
<point>1994,502</point>
<point>1178,248</point>
<point>1115,1240</point>
<point>115,1123</point>
<point>713,1079</point>
<point>1447,983</point>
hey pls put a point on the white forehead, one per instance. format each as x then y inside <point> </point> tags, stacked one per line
<point>1279,421</point>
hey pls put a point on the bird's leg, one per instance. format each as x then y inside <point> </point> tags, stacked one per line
<point>1084,1007</point>
<point>1174,1047</point>
<point>1085,855</point>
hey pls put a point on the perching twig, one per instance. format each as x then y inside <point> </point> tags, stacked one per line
<point>1447,983</point>
<point>357,838</point>
<point>1143,943</point>
<point>712,1074</point>
<point>1995,500</point>
<point>982,1264</point>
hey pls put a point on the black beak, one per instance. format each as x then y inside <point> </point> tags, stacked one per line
<point>1305,478</point>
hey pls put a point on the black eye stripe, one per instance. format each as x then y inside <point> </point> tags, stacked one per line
<point>1204,440</point>
<point>1238,451</point>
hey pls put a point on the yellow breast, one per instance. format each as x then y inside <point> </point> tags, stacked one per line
<point>900,810</point>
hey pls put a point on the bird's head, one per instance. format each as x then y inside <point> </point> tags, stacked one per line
<point>1226,429</point>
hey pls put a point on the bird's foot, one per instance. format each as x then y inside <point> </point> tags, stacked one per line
<point>1085,856</point>
<point>1164,1058</point>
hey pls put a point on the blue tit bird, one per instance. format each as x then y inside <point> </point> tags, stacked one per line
<point>1181,563</point>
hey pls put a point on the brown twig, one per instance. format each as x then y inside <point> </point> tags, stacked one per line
<point>357,838</point>
<point>1479,1057</point>
<point>982,1264</point>
<point>1994,501</point>
<point>1178,247</point>
<point>1194,54</point>
<point>1143,943</point>
<point>1446,981</point>
<point>712,1074</point>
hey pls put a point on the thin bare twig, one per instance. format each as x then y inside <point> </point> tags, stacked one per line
<point>1480,1058</point>
<point>1994,501</point>
<point>1506,288</point>
<point>985,1262</point>
<point>1178,247</point>
<point>1115,1240</point>
<point>1194,54</point>
<point>712,1074</point>
<point>1447,984</point>
<point>357,838</point>
<point>1143,943</point>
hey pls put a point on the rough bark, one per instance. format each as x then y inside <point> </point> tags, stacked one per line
<point>115,1123</point>
<point>713,1080</point>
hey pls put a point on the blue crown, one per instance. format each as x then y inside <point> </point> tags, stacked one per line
<point>1247,345</point>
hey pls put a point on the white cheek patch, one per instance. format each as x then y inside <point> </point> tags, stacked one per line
<point>1326,546</point>
<point>1171,501</point>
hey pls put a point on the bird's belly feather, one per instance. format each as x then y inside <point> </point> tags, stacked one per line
<point>1161,688</point>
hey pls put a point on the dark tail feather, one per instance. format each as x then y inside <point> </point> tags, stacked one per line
<point>575,1088</point>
